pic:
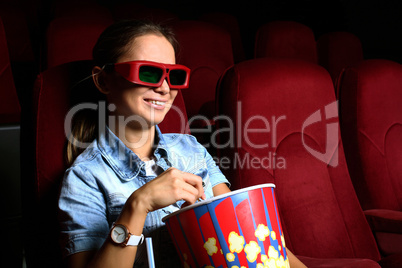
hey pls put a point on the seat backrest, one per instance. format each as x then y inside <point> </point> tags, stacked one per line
<point>72,39</point>
<point>286,39</point>
<point>17,32</point>
<point>10,109</point>
<point>283,129</point>
<point>231,24</point>
<point>371,120</point>
<point>44,155</point>
<point>206,49</point>
<point>338,50</point>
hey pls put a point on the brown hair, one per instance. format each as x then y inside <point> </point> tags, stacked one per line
<point>111,45</point>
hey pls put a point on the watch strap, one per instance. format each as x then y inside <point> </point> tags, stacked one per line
<point>135,240</point>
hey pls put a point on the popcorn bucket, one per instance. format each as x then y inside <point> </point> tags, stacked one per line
<point>238,229</point>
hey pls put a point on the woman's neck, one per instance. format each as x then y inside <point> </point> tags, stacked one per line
<point>139,140</point>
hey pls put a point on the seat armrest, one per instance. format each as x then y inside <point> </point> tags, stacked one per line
<point>338,262</point>
<point>384,220</point>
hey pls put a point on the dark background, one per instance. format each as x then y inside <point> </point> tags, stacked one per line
<point>378,24</point>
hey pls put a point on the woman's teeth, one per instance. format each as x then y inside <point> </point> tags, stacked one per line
<point>156,102</point>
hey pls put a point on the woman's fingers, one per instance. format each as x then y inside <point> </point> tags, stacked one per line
<point>189,184</point>
<point>169,187</point>
<point>196,182</point>
<point>189,193</point>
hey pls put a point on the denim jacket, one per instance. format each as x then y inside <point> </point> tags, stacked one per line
<point>97,185</point>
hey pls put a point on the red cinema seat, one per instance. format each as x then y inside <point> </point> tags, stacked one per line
<point>284,129</point>
<point>286,39</point>
<point>19,28</point>
<point>43,162</point>
<point>18,35</point>
<point>207,50</point>
<point>230,23</point>
<point>371,124</point>
<point>71,39</point>
<point>338,50</point>
<point>10,109</point>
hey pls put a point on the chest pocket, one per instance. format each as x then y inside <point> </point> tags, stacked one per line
<point>115,204</point>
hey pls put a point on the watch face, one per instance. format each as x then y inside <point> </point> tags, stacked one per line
<point>119,234</point>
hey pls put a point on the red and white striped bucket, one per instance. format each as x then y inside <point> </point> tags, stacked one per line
<point>238,229</point>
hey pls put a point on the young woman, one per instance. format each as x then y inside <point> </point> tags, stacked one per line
<point>132,175</point>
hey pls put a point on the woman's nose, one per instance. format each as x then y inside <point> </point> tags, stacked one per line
<point>164,88</point>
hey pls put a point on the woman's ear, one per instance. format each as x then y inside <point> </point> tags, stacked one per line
<point>98,76</point>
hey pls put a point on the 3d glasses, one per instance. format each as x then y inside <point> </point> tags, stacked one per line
<point>152,74</point>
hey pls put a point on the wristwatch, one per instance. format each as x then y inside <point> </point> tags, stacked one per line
<point>120,235</point>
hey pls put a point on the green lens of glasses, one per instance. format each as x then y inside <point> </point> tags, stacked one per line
<point>177,77</point>
<point>150,74</point>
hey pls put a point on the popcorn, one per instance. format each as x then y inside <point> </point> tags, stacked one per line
<point>273,258</point>
<point>262,232</point>
<point>264,257</point>
<point>273,235</point>
<point>252,250</point>
<point>210,246</point>
<point>280,262</point>
<point>287,263</point>
<point>236,242</point>
<point>271,263</point>
<point>273,253</point>
<point>230,257</point>
<point>283,240</point>
<point>185,261</point>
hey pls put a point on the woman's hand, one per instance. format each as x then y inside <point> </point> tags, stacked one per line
<point>168,188</point>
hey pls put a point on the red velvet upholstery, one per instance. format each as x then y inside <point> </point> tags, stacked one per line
<point>44,161</point>
<point>338,50</point>
<point>17,31</point>
<point>371,96</point>
<point>230,23</point>
<point>286,39</point>
<point>72,39</point>
<point>384,220</point>
<point>206,49</point>
<point>339,263</point>
<point>9,104</point>
<point>269,102</point>
<point>387,227</point>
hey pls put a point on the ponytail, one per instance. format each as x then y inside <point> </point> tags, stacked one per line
<point>84,130</point>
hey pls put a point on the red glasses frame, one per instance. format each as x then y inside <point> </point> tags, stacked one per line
<point>131,71</point>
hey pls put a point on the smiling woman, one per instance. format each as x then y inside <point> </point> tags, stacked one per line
<point>130,95</point>
<point>119,188</point>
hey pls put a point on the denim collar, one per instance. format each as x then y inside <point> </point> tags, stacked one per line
<point>125,162</point>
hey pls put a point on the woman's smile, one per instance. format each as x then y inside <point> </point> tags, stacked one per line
<point>156,103</point>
